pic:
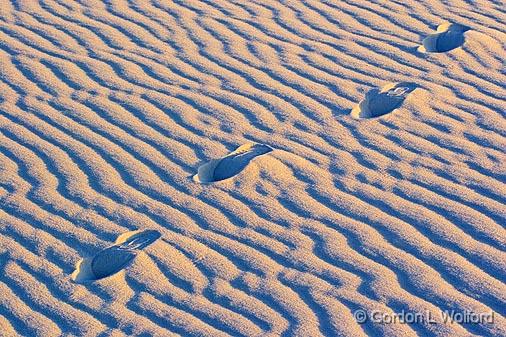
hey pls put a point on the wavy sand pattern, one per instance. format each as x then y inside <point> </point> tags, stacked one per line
<point>107,110</point>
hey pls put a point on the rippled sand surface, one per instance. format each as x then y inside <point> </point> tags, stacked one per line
<point>108,110</point>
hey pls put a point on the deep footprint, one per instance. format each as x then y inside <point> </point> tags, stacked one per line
<point>112,259</point>
<point>230,165</point>
<point>381,102</point>
<point>449,36</point>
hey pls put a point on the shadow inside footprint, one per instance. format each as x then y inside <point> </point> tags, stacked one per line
<point>112,259</point>
<point>230,165</point>
<point>381,102</point>
<point>448,36</point>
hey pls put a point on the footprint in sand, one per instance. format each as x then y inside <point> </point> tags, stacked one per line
<point>230,165</point>
<point>380,102</point>
<point>449,36</point>
<point>112,259</point>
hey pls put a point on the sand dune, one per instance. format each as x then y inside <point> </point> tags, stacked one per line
<point>112,113</point>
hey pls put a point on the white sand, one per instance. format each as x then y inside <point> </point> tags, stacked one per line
<point>108,111</point>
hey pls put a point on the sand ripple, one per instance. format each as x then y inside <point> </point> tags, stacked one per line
<point>107,110</point>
